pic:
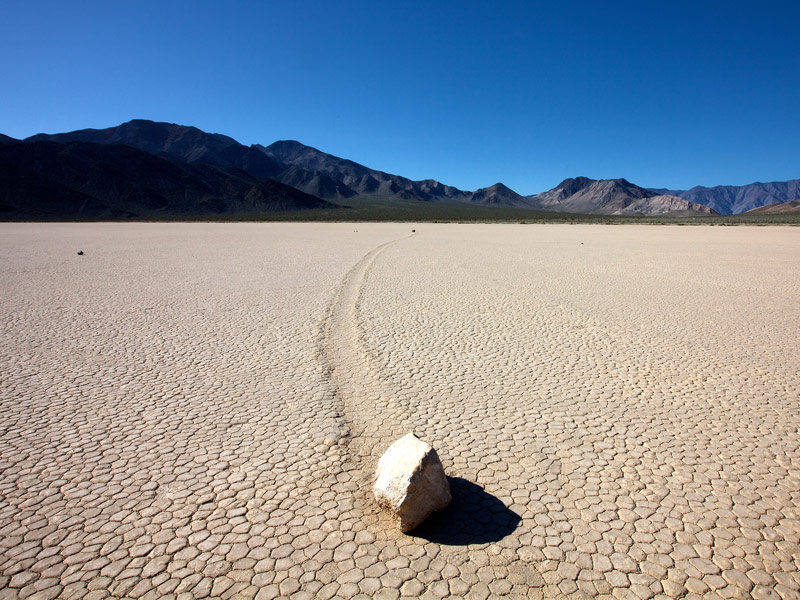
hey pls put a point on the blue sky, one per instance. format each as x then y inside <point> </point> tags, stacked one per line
<point>669,94</point>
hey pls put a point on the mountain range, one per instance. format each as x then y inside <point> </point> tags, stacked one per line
<point>732,199</point>
<point>143,168</point>
<point>50,180</point>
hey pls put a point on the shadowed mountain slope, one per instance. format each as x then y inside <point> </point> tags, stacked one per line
<point>559,194</point>
<point>82,180</point>
<point>302,167</point>
<point>612,197</point>
<point>359,178</point>
<point>188,144</point>
<point>192,145</point>
<point>732,199</point>
<point>314,183</point>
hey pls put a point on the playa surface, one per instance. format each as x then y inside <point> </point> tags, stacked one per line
<point>196,410</point>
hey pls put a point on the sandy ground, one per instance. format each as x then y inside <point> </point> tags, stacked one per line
<point>195,410</point>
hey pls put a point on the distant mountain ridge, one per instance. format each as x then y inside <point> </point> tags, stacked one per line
<point>612,197</point>
<point>288,161</point>
<point>733,199</point>
<point>336,179</point>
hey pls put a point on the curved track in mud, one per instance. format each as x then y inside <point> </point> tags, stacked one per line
<point>358,386</point>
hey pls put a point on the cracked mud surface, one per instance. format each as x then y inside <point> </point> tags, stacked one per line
<point>195,410</point>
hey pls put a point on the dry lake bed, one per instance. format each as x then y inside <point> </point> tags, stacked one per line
<point>196,410</point>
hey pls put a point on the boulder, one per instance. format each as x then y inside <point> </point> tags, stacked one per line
<point>410,482</point>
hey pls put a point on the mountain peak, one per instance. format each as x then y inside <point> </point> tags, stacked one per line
<point>574,184</point>
<point>288,147</point>
<point>288,144</point>
<point>580,179</point>
<point>612,197</point>
<point>499,195</point>
<point>292,152</point>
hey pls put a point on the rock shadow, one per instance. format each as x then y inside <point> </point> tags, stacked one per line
<point>473,517</point>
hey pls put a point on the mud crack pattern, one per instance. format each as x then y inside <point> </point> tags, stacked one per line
<point>194,411</point>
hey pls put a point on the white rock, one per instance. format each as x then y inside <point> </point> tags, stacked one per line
<point>410,482</point>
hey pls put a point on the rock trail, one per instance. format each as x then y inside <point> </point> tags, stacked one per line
<point>359,388</point>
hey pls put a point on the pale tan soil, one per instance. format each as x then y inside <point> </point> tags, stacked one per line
<point>195,410</point>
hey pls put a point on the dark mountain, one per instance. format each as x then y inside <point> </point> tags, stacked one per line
<point>292,163</point>
<point>187,144</point>
<point>193,145</point>
<point>82,180</point>
<point>314,183</point>
<point>792,206</point>
<point>611,197</point>
<point>732,199</point>
<point>327,176</point>
<point>499,195</point>
<point>4,139</point>
<point>359,178</point>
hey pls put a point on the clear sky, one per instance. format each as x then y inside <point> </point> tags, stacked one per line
<point>670,94</point>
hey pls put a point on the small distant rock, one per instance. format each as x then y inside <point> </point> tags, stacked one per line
<point>410,482</point>
<point>80,252</point>
<point>413,231</point>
